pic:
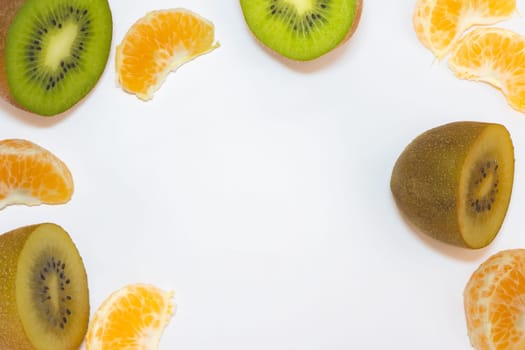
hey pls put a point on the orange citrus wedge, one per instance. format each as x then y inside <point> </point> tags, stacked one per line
<point>157,44</point>
<point>31,175</point>
<point>495,56</point>
<point>133,317</point>
<point>440,23</point>
<point>494,301</point>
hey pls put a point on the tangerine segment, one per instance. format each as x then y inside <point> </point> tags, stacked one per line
<point>32,175</point>
<point>133,317</point>
<point>495,56</point>
<point>158,43</point>
<point>494,301</point>
<point>440,23</point>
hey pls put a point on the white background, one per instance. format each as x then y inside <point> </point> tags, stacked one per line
<point>258,189</point>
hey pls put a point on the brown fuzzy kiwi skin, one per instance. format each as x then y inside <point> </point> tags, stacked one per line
<point>12,334</point>
<point>425,179</point>
<point>8,10</point>
<point>351,31</point>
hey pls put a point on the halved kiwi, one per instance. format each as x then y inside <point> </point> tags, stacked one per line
<point>44,299</point>
<point>302,30</point>
<point>53,52</point>
<point>454,182</point>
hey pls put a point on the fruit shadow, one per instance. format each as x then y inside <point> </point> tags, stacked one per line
<point>31,118</point>
<point>455,252</point>
<point>308,66</point>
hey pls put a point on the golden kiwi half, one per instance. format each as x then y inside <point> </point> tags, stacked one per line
<point>454,182</point>
<point>44,301</point>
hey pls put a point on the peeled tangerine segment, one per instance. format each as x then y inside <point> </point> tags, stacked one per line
<point>158,43</point>
<point>454,182</point>
<point>44,299</point>
<point>132,317</point>
<point>495,56</point>
<point>32,175</point>
<point>494,301</point>
<point>440,23</point>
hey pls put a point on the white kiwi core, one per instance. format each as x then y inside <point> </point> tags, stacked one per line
<point>301,5</point>
<point>59,44</point>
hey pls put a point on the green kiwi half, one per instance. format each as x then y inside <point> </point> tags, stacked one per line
<point>44,299</point>
<point>302,29</point>
<point>55,52</point>
<point>454,182</point>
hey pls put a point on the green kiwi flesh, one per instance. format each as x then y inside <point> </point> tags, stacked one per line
<point>302,30</point>
<point>55,52</point>
<point>454,182</point>
<point>44,299</point>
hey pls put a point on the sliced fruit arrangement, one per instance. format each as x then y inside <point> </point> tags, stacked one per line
<point>32,175</point>
<point>440,23</point>
<point>52,52</point>
<point>454,182</point>
<point>495,56</point>
<point>302,30</point>
<point>159,43</point>
<point>43,290</point>
<point>494,300</point>
<point>132,317</point>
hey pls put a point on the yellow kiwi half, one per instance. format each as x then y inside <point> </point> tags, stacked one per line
<point>44,299</point>
<point>454,182</point>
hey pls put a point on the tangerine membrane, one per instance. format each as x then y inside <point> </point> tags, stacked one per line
<point>494,300</point>
<point>440,23</point>
<point>495,56</point>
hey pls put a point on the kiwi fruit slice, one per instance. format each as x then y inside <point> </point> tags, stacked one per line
<point>44,301</point>
<point>454,182</point>
<point>52,52</point>
<point>302,30</point>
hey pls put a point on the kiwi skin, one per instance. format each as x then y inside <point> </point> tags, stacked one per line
<point>427,176</point>
<point>350,33</point>
<point>12,333</point>
<point>9,9</point>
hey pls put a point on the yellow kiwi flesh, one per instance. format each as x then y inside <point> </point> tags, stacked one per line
<point>44,301</point>
<point>454,182</point>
